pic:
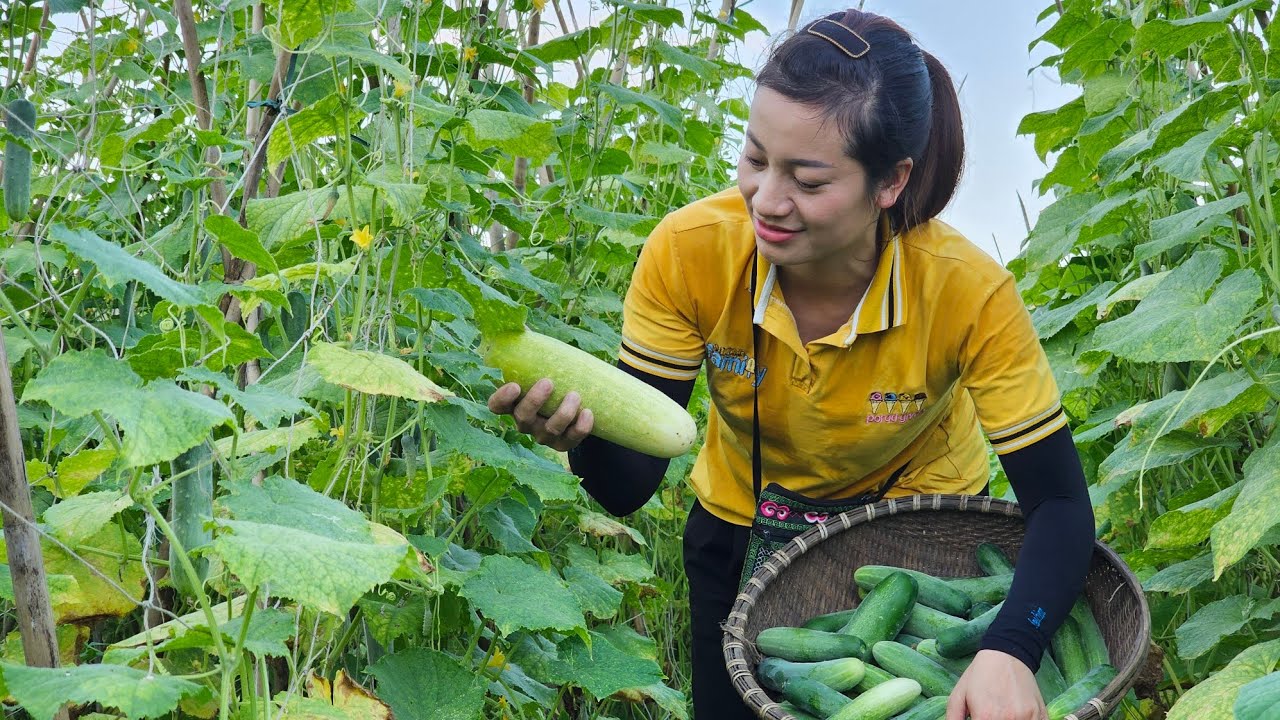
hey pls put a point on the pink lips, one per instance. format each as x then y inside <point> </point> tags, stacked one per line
<point>773,234</point>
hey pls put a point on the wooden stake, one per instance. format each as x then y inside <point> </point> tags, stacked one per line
<point>26,564</point>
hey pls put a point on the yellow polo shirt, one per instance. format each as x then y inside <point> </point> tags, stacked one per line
<point>939,350</point>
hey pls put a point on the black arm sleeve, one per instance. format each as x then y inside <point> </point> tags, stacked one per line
<point>1048,479</point>
<point>621,479</point>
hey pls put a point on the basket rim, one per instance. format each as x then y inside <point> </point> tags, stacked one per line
<point>735,649</point>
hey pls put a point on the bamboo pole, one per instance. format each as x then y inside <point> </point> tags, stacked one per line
<point>22,542</point>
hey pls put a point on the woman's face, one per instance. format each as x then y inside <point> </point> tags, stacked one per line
<point>807,199</point>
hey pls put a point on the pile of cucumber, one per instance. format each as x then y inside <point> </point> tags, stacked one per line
<point>901,651</point>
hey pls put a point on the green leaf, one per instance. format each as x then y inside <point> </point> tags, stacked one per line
<point>1186,161</point>
<point>1049,320</point>
<point>1181,577</point>
<point>550,481</point>
<point>1171,37</point>
<point>1131,455</point>
<point>661,153</point>
<point>1095,48</point>
<point>136,693</point>
<point>669,114</point>
<point>1181,408</point>
<point>518,596</point>
<point>280,219</point>
<point>350,44</point>
<point>1189,225</point>
<point>511,523</point>
<point>301,20</point>
<point>77,519</point>
<point>269,631</point>
<point>1057,229</point>
<point>162,421</point>
<point>1136,289</point>
<point>494,311</point>
<point>1203,630</point>
<point>77,383</point>
<point>1259,699</point>
<point>330,117</point>
<point>1175,322</point>
<point>572,46</point>
<point>651,12</point>
<point>512,133</point>
<point>596,596</point>
<point>1190,524</point>
<point>675,56</point>
<point>1053,128</point>
<point>454,692</point>
<point>266,404</point>
<point>1254,513</point>
<point>117,266</point>
<point>443,300</point>
<point>1213,699</point>
<point>611,566</point>
<point>284,502</point>
<point>264,442</point>
<point>610,664</point>
<point>373,373</point>
<point>76,471</point>
<point>240,242</point>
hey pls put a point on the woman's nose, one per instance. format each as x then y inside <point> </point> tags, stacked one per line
<point>770,200</point>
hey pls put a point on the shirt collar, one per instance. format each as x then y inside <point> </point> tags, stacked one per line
<point>884,305</point>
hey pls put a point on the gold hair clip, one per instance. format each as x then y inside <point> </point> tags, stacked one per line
<point>840,29</point>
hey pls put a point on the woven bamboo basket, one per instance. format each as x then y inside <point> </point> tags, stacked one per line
<point>936,534</point>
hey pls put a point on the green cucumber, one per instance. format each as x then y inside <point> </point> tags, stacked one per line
<point>990,589</point>
<point>1095,646</point>
<point>978,609</point>
<point>830,622</point>
<point>1049,678</point>
<point>908,640</point>
<point>934,708</point>
<point>904,662</point>
<point>960,641</point>
<point>814,697</point>
<point>1081,692</point>
<point>929,649</point>
<point>925,622</point>
<point>882,701</point>
<point>873,676</point>
<point>1069,652</point>
<point>796,712</point>
<point>20,120</point>
<point>882,613</point>
<point>992,559</point>
<point>191,507</point>
<point>804,645</point>
<point>840,675</point>
<point>934,592</point>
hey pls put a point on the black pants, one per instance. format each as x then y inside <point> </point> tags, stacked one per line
<point>714,551</point>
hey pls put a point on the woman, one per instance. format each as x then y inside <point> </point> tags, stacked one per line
<point>854,344</point>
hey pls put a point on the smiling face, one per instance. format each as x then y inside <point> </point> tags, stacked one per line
<point>807,198</point>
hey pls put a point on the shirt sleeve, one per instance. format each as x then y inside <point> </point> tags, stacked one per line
<point>1007,374</point>
<point>660,334</point>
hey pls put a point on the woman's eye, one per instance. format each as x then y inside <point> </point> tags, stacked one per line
<point>755,162</point>
<point>808,186</point>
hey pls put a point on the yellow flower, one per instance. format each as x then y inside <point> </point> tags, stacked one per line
<point>498,660</point>
<point>338,432</point>
<point>468,54</point>
<point>402,89</point>
<point>362,237</point>
<point>539,5</point>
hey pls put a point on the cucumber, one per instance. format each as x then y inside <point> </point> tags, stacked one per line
<point>830,622</point>
<point>814,697</point>
<point>908,640</point>
<point>992,559</point>
<point>882,701</point>
<point>796,712</point>
<point>934,708</point>
<point>1081,692</point>
<point>958,642</point>
<point>934,592</point>
<point>1049,678</point>
<point>1068,651</point>
<point>978,609</point>
<point>627,411</point>
<point>839,675</point>
<point>902,661</point>
<point>803,645</point>
<point>929,649</point>
<point>20,120</point>
<point>884,610</point>
<point>1095,646</point>
<point>191,506</point>
<point>925,622</point>
<point>872,676</point>
<point>991,589</point>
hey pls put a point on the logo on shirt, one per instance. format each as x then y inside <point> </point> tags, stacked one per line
<point>894,407</point>
<point>736,361</point>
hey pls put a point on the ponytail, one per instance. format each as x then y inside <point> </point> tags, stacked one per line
<point>936,172</point>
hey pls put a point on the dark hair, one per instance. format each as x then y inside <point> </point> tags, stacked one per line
<point>894,102</point>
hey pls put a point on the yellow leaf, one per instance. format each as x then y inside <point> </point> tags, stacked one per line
<point>346,695</point>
